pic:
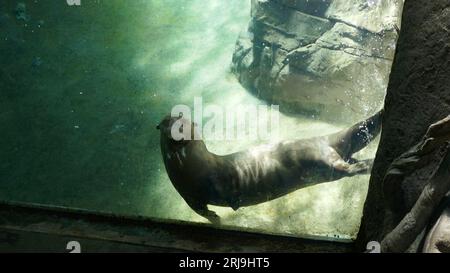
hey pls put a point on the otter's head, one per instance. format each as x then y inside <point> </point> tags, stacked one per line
<point>178,130</point>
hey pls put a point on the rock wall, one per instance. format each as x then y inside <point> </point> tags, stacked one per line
<point>319,56</point>
<point>418,95</point>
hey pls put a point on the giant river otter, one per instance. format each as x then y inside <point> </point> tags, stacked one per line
<point>261,173</point>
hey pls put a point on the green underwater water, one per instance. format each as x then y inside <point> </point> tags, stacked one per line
<point>82,89</point>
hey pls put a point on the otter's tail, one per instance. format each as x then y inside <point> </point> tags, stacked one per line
<point>354,139</point>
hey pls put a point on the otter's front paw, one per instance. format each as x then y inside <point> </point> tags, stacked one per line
<point>213,218</point>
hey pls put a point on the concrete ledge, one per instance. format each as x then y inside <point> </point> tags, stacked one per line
<point>35,228</point>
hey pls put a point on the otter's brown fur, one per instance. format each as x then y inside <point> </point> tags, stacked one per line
<point>261,173</point>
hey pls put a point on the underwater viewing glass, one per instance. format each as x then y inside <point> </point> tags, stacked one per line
<point>83,87</point>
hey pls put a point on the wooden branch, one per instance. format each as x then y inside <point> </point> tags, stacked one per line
<point>438,134</point>
<point>404,234</point>
<point>418,218</point>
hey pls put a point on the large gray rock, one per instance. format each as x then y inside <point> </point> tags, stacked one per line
<point>319,56</point>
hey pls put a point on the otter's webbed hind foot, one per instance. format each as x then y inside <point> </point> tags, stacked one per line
<point>359,167</point>
<point>357,137</point>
